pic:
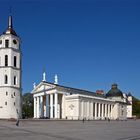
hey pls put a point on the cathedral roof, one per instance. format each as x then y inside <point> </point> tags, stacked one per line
<point>10,29</point>
<point>114,91</point>
<point>75,90</point>
<point>129,94</point>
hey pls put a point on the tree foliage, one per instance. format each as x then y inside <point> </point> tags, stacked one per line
<point>136,107</point>
<point>27,105</point>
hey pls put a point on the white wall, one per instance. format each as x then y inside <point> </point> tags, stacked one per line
<point>129,111</point>
<point>72,109</point>
<point>13,103</point>
<point>79,107</point>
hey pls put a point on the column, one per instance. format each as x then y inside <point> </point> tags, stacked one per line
<point>102,111</point>
<point>105,110</point>
<point>41,107</point>
<point>99,111</point>
<point>56,102</point>
<point>37,107</point>
<point>108,110</point>
<point>85,109</point>
<point>35,111</point>
<point>44,106</point>
<point>82,109</point>
<point>111,111</point>
<point>87,115</point>
<point>47,106</point>
<point>91,110</point>
<point>51,105</point>
<point>95,110</point>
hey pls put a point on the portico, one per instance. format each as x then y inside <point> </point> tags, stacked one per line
<point>46,106</point>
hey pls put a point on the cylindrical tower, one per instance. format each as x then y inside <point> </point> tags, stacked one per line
<point>10,74</point>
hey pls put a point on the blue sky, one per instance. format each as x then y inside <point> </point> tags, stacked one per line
<point>90,44</point>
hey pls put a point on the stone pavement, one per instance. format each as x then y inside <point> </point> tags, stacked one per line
<point>70,130</point>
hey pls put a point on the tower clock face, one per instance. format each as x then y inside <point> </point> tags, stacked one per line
<point>14,41</point>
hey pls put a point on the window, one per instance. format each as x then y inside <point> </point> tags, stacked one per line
<point>122,112</point>
<point>15,80</point>
<point>6,43</point>
<point>14,41</point>
<point>6,93</point>
<point>5,103</point>
<point>14,103</point>
<point>6,60</point>
<point>6,79</point>
<point>15,61</point>
<point>0,41</point>
<point>14,94</point>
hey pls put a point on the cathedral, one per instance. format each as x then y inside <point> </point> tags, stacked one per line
<point>55,101</point>
<point>10,74</point>
<point>51,99</point>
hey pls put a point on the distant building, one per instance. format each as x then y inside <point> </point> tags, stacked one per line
<point>10,73</point>
<point>129,105</point>
<point>101,92</point>
<point>52,100</point>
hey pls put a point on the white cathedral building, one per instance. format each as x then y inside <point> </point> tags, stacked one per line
<point>52,100</point>
<point>55,101</point>
<point>10,74</point>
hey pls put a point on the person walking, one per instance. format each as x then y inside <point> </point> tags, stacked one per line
<point>83,120</point>
<point>17,122</point>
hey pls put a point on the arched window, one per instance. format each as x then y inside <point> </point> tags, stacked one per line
<point>6,79</point>
<point>6,60</point>
<point>15,80</point>
<point>15,61</point>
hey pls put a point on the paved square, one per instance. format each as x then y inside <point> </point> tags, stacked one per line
<point>70,130</point>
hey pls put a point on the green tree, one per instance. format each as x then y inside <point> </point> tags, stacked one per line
<point>27,105</point>
<point>136,107</point>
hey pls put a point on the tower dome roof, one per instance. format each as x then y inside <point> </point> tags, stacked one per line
<point>114,91</point>
<point>10,29</point>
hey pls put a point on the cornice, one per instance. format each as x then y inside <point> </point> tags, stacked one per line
<point>16,50</point>
<point>10,67</point>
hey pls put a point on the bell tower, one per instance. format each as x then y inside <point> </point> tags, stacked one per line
<point>10,74</point>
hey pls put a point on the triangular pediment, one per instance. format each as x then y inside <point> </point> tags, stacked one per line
<point>43,86</point>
